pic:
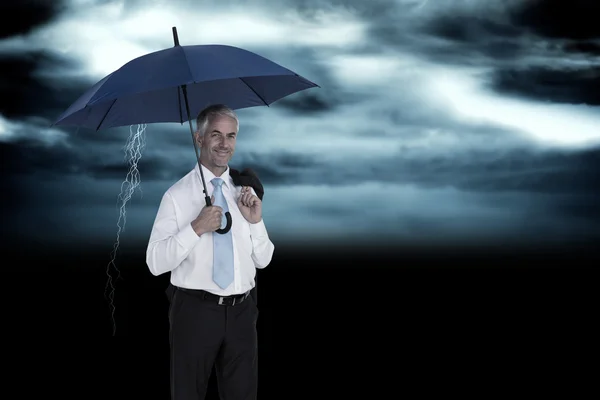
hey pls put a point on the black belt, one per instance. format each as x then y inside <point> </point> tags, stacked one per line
<point>220,300</point>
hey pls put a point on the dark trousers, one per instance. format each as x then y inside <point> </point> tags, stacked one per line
<point>204,334</point>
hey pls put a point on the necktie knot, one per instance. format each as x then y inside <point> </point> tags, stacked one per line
<point>217,182</point>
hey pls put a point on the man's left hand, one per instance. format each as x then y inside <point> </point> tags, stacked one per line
<point>250,205</point>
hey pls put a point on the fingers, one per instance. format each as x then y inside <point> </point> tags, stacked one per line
<point>212,210</point>
<point>247,198</point>
<point>213,215</point>
<point>218,222</point>
<point>217,217</point>
<point>218,212</point>
<point>246,191</point>
<point>250,199</point>
<point>212,199</point>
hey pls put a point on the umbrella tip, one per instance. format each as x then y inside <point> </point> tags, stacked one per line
<point>175,37</point>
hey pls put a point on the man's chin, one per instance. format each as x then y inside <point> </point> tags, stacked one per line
<point>220,164</point>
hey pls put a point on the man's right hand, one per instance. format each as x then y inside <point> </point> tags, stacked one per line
<point>209,219</point>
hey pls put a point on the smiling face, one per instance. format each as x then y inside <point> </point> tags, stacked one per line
<point>217,144</point>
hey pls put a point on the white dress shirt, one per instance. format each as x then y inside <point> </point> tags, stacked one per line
<point>174,245</point>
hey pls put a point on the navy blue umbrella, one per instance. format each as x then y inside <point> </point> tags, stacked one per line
<point>174,84</point>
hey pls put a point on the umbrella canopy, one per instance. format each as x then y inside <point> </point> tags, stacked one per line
<point>175,84</point>
<point>151,88</point>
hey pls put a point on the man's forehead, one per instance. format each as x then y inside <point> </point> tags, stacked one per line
<point>224,131</point>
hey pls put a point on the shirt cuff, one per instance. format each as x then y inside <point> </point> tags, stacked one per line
<point>258,229</point>
<point>187,237</point>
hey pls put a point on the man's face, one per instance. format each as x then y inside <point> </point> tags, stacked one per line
<point>218,143</point>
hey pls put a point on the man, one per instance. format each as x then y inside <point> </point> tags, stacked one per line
<point>212,316</point>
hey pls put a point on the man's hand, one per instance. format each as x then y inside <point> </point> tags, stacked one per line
<point>209,219</point>
<point>250,206</point>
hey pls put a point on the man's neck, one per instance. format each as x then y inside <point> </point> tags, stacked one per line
<point>217,171</point>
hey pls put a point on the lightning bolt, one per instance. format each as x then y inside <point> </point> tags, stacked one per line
<point>133,153</point>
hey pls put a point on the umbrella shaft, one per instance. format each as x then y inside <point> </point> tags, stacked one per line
<point>189,118</point>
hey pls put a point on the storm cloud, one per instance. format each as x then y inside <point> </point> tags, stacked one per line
<point>441,122</point>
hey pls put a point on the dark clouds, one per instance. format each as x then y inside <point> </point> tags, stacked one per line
<point>461,171</point>
<point>308,103</point>
<point>478,33</point>
<point>311,9</point>
<point>474,37</point>
<point>279,168</point>
<point>481,171</point>
<point>26,92</point>
<point>526,47</point>
<point>583,47</point>
<point>30,158</point>
<point>472,29</point>
<point>524,170</point>
<point>574,86</point>
<point>18,17</point>
<point>559,19</point>
<point>519,169</point>
<point>493,170</point>
<point>150,168</point>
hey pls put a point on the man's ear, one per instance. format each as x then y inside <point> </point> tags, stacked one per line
<point>198,138</point>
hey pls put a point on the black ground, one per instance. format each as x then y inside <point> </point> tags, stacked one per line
<point>333,323</point>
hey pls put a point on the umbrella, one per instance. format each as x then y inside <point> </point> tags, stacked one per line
<point>174,84</point>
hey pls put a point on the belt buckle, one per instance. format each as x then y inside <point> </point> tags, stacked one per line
<point>223,302</point>
<point>233,299</point>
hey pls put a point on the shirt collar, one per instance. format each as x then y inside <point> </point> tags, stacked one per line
<point>208,175</point>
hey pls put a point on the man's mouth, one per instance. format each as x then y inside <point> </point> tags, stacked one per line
<point>222,152</point>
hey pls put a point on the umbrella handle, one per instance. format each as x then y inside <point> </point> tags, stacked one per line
<point>227,216</point>
<point>227,226</point>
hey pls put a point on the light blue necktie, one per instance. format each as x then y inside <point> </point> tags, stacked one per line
<point>222,244</point>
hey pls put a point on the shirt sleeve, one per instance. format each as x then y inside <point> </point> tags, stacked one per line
<point>262,247</point>
<point>168,245</point>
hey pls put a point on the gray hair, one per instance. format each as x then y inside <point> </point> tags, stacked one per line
<point>206,115</point>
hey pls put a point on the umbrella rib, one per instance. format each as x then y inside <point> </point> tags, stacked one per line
<point>105,115</point>
<point>251,88</point>
<point>187,62</point>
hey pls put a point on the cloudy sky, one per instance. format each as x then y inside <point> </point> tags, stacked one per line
<point>440,121</point>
